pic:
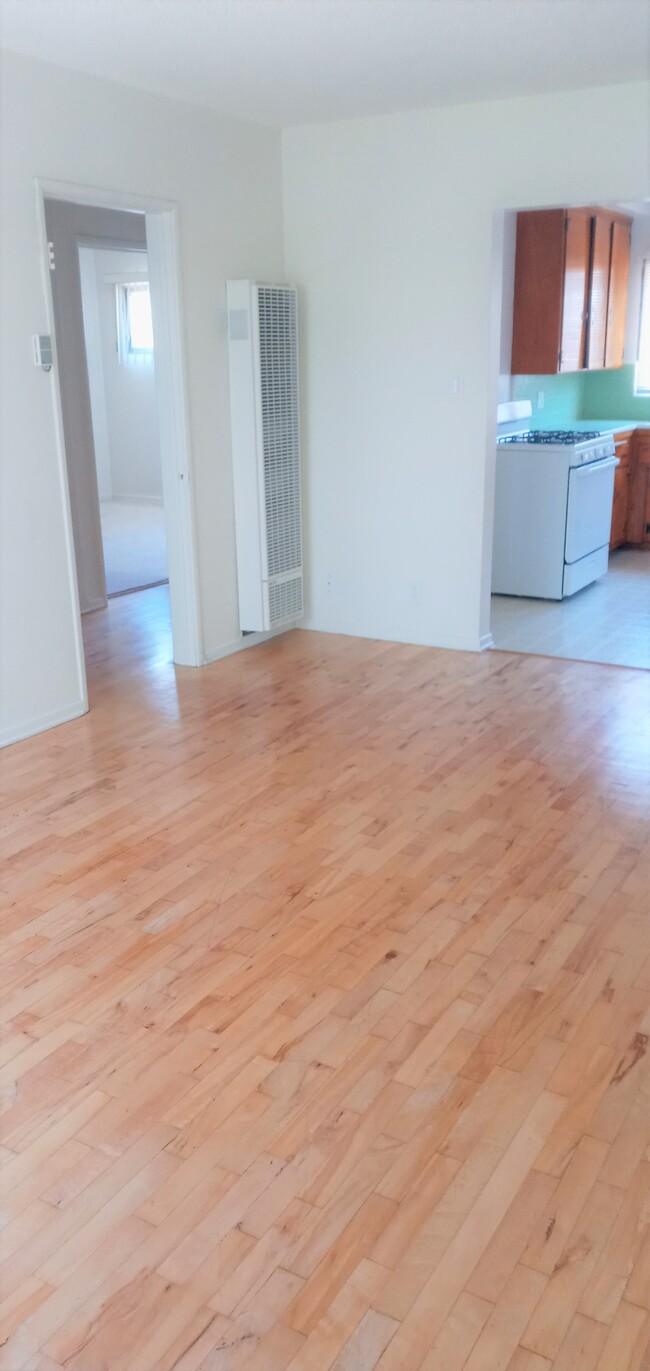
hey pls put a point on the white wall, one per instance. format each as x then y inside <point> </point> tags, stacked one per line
<point>225,177</point>
<point>394,230</point>
<point>122,394</point>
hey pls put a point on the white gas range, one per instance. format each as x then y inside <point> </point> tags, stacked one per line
<point>553,507</point>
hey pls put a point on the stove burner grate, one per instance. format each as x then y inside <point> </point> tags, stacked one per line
<point>561,436</point>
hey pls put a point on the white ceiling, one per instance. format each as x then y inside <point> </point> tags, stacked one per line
<point>300,61</point>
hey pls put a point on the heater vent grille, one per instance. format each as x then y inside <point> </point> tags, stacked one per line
<point>285,600</point>
<point>280,427</point>
<point>265,424</point>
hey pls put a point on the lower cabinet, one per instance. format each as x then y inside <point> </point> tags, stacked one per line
<point>632,490</point>
<point>624,449</point>
<point>631,503</point>
<point>619,507</point>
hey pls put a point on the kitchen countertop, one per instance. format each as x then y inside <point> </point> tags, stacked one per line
<point>592,425</point>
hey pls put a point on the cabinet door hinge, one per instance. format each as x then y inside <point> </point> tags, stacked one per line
<point>50,254</point>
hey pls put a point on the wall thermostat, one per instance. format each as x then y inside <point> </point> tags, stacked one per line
<point>42,349</point>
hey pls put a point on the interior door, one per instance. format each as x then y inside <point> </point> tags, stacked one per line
<point>617,308</point>
<point>589,509</point>
<point>577,243</point>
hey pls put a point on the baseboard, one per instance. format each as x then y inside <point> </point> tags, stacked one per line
<point>485,642</point>
<point>41,723</point>
<point>450,644</point>
<point>246,640</point>
<point>95,604</point>
<point>134,500</point>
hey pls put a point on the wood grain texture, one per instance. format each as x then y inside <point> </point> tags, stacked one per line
<point>325,1013</point>
<point>619,276</point>
<point>538,292</point>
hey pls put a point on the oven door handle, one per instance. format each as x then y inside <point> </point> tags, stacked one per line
<point>592,468</point>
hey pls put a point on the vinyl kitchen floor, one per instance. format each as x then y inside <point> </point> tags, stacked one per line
<point>608,621</point>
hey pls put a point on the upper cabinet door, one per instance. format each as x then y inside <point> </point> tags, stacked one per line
<point>577,246</point>
<point>617,306</point>
<point>539,276</point>
<point>601,233</point>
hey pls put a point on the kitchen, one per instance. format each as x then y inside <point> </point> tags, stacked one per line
<point>571,552</point>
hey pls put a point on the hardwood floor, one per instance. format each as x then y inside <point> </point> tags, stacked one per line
<point>326,1001</point>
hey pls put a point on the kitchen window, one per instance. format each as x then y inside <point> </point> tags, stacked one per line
<point>134,324</point>
<point>643,364</point>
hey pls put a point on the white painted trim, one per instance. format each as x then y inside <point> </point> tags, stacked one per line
<point>148,500</point>
<point>43,722</point>
<point>485,642</point>
<point>102,197</point>
<point>173,436</point>
<point>247,640</point>
<point>99,603</point>
<point>171,392</point>
<point>449,645</point>
<point>62,473</point>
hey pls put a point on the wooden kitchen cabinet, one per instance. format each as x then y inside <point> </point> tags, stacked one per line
<point>619,275</point>
<point>570,297</point>
<point>623,448</point>
<point>638,511</point>
<point>550,300</point>
<point>601,253</point>
<point>619,508</point>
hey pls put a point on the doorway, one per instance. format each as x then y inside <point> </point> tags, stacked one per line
<point>120,357</point>
<point>148,228</point>
<point>570,572</point>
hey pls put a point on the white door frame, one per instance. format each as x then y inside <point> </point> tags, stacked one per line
<point>161,218</point>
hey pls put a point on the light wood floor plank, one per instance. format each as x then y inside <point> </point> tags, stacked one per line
<point>325,989</point>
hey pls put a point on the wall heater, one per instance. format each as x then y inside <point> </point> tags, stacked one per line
<point>265,423</point>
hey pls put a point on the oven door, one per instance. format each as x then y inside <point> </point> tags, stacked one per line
<point>589,508</point>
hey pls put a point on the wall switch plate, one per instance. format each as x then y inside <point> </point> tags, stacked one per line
<point>458,386</point>
<point>540,399</point>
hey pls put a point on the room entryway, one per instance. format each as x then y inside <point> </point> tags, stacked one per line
<point>114,312</point>
<point>120,358</point>
<point>570,572</point>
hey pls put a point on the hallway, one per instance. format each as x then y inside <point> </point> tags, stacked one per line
<point>135,550</point>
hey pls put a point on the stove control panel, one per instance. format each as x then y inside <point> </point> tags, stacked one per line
<point>595,452</point>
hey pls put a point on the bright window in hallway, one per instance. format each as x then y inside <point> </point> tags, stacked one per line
<point>134,320</point>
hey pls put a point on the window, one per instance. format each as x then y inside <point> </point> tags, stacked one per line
<point>135,329</point>
<point>643,365</point>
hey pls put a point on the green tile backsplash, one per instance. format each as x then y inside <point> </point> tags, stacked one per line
<point>582,395</point>
<point>562,398</point>
<point>610,395</point>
